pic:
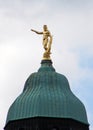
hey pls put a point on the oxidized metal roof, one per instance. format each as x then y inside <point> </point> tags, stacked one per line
<point>47,94</point>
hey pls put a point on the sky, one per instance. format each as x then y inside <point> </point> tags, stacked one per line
<point>71,24</point>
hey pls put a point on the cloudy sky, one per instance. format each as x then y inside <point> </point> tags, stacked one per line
<point>71,24</point>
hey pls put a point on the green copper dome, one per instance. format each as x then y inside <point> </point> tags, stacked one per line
<point>47,94</point>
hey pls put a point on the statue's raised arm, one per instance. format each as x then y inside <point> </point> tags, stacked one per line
<point>47,41</point>
<point>36,31</point>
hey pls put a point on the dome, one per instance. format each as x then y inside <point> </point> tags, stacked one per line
<point>47,94</point>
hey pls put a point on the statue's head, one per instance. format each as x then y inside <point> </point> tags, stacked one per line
<point>45,27</point>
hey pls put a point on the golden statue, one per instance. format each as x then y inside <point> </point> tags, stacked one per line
<point>47,41</point>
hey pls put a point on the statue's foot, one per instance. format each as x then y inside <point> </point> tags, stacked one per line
<point>46,55</point>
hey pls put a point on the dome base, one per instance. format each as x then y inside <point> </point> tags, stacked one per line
<point>46,123</point>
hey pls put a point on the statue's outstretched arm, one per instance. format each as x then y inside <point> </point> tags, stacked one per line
<point>36,31</point>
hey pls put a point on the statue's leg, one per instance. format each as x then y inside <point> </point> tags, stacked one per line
<point>49,45</point>
<point>45,41</point>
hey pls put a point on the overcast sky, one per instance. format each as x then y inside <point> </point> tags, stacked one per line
<point>71,24</point>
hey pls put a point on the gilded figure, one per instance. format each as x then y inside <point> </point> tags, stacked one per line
<point>47,41</point>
